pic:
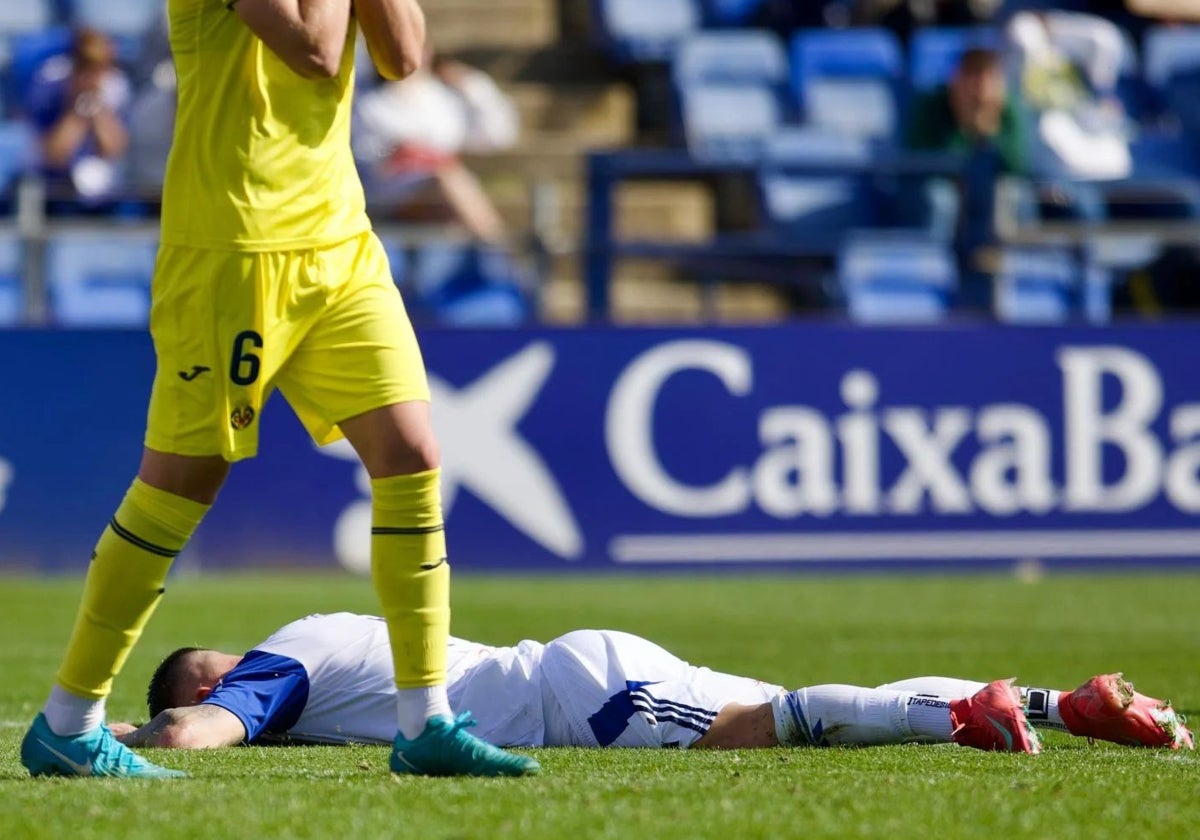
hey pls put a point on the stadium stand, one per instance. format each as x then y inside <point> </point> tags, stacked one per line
<point>784,143</point>
<point>934,53</point>
<point>466,286</point>
<point>731,57</point>
<point>21,18</point>
<point>16,151</point>
<point>27,51</point>
<point>637,31</point>
<point>100,278</point>
<point>849,80</point>
<point>12,297</point>
<point>1048,286</point>
<point>1170,52</point>
<point>733,12</point>
<point>129,18</point>
<point>896,277</point>
<point>729,121</point>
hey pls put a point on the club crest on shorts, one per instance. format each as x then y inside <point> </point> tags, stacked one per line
<point>241,417</point>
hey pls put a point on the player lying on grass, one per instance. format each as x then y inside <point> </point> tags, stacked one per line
<point>328,679</point>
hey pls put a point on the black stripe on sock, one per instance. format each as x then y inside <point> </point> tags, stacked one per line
<point>406,532</point>
<point>145,545</point>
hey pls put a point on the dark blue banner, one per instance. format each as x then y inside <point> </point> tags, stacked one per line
<point>599,448</point>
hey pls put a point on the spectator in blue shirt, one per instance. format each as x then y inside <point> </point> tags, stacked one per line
<point>78,103</point>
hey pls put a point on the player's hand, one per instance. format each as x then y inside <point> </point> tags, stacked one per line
<point>122,729</point>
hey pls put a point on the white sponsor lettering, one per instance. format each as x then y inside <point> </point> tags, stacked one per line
<point>928,449</point>
<point>998,459</point>
<point>1016,443</point>
<point>1183,468</point>
<point>629,427</point>
<point>1089,429</point>
<point>1115,452</point>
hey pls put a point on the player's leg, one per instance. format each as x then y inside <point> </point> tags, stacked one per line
<point>741,727</point>
<point>604,688</point>
<point>125,582</point>
<point>359,372</point>
<point>844,715</point>
<point>190,437</point>
<point>1106,707</point>
<point>409,567</point>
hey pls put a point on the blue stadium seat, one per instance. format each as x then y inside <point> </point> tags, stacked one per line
<point>813,145</point>
<point>29,51</point>
<point>1170,51</point>
<point>1172,76</point>
<point>12,297</point>
<point>817,206</point>
<point>747,56</point>
<point>729,122</point>
<point>19,16</point>
<point>462,285</point>
<point>830,193</point>
<point>100,278</point>
<point>1037,286</point>
<point>896,277</point>
<point>849,80</point>
<point>1131,84</point>
<point>397,254</point>
<point>126,18</point>
<point>713,73</point>
<point>18,149</point>
<point>646,30</point>
<point>934,53</point>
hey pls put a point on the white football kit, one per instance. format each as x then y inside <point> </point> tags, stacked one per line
<point>329,679</point>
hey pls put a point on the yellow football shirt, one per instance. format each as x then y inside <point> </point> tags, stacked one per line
<point>261,156</point>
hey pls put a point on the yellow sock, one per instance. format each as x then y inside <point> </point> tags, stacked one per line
<point>411,575</point>
<point>124,585</point>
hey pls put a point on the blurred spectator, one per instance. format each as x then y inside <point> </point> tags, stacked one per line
<point>975,117</point>
<point>78,103</point>
<point>905,16</point>
<point>409,135</point>
<point>971,112</point>
<point>1068,65</point>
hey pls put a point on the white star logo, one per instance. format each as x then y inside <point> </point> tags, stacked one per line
<point>483,452</point>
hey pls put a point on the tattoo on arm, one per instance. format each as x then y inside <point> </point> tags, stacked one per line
<point>207,725</point>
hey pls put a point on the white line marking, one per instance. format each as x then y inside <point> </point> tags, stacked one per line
<point>899,546</point>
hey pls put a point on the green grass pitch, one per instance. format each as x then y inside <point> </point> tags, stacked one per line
<point>794,630</point>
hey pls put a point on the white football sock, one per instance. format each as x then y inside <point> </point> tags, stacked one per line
<point>414,706</point>
<point>948,687</point>
<point>1041,704</point>
<point>841,715</point>
<point>929,717</point>
<point>67,714</point>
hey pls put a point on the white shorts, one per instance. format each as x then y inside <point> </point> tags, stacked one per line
<point>603,688</point>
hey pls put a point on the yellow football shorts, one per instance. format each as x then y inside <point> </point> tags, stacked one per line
<point>324,325</point>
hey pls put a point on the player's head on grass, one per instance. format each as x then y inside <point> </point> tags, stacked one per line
<point>186,677</point>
